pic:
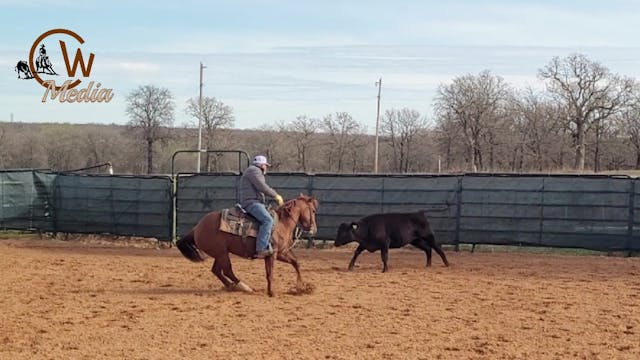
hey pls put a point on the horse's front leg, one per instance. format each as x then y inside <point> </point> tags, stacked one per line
<point>268,266</point>
<point>290,258</point>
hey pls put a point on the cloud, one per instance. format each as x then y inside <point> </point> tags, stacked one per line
<point>501,23</point>
<point>246,42</point>
<point>138,67</point>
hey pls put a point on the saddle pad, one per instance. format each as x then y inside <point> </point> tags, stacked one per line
<point>234,222</point>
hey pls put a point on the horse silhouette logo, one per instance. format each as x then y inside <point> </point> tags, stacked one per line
<point>43,65</point>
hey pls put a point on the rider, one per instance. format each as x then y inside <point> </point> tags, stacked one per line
<point>251,192</point>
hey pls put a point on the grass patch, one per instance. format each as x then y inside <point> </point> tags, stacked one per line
<point>16,234</point>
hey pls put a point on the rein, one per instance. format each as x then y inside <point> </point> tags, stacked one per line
<point>286,209</point>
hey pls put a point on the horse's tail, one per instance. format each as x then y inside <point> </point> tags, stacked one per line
<point>188,248</point>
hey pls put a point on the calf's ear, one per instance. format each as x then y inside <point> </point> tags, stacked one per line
<point>354,226</point>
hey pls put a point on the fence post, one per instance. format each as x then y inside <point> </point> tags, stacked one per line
<point>632,195</point>
<point>310,179</point>
<point>311,239</point>
<point>174,208</point>
<point>382,196</point>
<point>456,240</point>
<point>541,228</point>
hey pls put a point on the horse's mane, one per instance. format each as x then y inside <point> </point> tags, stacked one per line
<point>285,209</point>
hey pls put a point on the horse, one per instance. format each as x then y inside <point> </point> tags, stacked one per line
<point>206,237</point>
<point>43,65</point>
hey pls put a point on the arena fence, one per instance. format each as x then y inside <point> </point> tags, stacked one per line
<point>590,212</point>
<point>93,204</point>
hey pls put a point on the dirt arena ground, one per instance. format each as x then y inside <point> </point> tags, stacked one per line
<point>83,300</point>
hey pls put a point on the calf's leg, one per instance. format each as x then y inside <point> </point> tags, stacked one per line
<point>384,254</point>
<point>431,241</point>
<point>359,250</point>
<point>422,245</point>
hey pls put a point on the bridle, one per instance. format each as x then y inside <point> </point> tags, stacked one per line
<point>297,233</point>
<point>311,207</point>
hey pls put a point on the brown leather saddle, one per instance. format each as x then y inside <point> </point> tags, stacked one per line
<point>239,222</point>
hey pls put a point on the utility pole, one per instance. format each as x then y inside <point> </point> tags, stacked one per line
<point>375,161</point>
<point>200,120</point>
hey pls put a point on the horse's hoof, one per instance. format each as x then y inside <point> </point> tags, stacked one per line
<point>305,288</point>
<point>243,287</point>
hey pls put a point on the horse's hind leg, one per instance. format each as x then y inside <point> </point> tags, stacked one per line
<point>227,269</point>
<point>217,270</point>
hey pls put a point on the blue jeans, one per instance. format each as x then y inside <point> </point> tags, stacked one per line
<point>259,211</point>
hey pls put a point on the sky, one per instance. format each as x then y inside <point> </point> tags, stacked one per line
<point>274,60</point>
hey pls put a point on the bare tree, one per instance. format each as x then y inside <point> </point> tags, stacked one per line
<point>402,129</point>
<point>590,93</point>
<point>303,133</point>
<point>341,130</point>
<point>62,148</point>
<point>356,154</point>
<point>268,141</point>
<point>215,118</point>
<point>150,109</point>
<point>538,130</point>
<point>447,134</point>
<point>475,103</point>
<point>97,147</point>
<point>630,123</point>
<point>24,147</point>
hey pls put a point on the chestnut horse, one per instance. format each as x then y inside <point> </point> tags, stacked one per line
<point>207,237</point>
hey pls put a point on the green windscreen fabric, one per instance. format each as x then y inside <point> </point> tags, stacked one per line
<point>26,201</point>
<point>555,211</point>
<point>634,221</point>
<point>597,212</point>
<point>590,212</point>
<point>346,198</point>
<point>119,205</point>
<point>197,195</point>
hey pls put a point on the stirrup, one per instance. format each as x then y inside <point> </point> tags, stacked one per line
<point>241,209</point>
<point>263,254</point>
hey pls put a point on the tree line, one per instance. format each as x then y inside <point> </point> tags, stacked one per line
<point>586,119</point>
